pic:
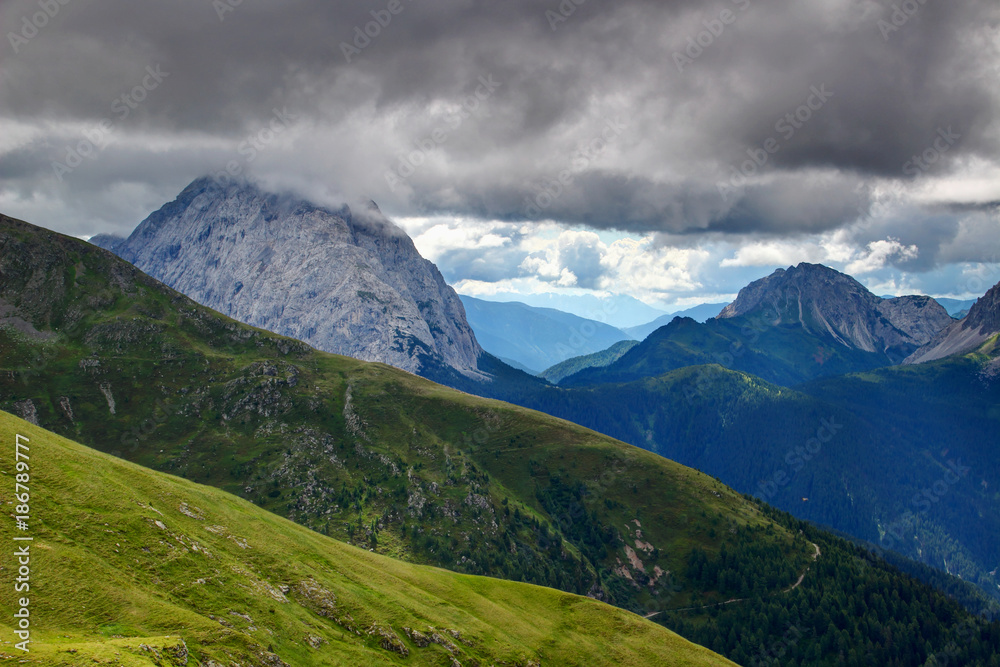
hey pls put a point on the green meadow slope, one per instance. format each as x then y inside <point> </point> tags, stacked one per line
<point>134,567</point>
<point>98,352</point>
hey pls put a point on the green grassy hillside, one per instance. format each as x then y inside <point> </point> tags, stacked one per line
<point>129,565</point>
<point>96,351</point>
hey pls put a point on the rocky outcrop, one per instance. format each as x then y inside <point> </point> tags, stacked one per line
<point>348,282</point>
<point>827,302</point>
<point>981,324</point>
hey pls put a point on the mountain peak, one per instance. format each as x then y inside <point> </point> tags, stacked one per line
<point>965,335</point>
<point>344,282</point>
<point>984,315</point>
<point>768,290</point>
<point>829,303</point>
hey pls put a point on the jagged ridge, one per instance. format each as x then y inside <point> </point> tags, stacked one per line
<point>981,324</point>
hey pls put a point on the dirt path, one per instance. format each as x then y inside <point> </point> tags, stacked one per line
<point>721,604</point>
<point>803,575</point>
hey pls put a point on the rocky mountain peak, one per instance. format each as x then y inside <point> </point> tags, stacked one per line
<point>965,335</point>
<point>984,315</point>
<point>827,302</point>
<point>348,282</point>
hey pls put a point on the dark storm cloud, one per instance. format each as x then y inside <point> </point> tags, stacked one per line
<point>942,236</point>
<point>751,68</point>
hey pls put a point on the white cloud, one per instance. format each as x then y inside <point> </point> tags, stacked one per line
<point>879,254</point>
<point>673,272</point>
<point>643,269</point>
<point>832,247</point>
<point>774,253</point>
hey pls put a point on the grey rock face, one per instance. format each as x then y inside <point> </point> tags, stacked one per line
<point>825,301</point>
<point>346,282</point>
<point>981,324</point>
<point>106,241</point>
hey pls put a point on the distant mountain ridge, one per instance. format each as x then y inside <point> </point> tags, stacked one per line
<point>700,313</point>
<point>957,308</point>
<point>106,241</point>
<point>826,302</point>
<point>618,310</point>
<point>796,325</point>
<point>564,369</point>
<point>349,282</point>
<point>535,338</point>
<point>978,326</point>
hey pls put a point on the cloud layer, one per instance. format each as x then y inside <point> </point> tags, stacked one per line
<point>760,124</point>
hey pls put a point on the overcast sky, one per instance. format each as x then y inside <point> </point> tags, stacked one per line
<point>668,150</point>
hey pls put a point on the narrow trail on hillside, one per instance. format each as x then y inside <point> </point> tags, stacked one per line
<point>722,604</point>
<point>803,575</point>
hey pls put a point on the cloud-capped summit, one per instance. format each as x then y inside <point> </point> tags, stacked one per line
<point>344,281</point>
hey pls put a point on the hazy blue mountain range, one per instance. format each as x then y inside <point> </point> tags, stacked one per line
<point>700,313</point>
<point>535,338</point>
<point>617,310</point>
<point>901,456</point>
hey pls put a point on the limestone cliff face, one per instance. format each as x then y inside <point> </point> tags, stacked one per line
<point>348,282</point>
<point>965,335</point>
<point>825,301</point>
